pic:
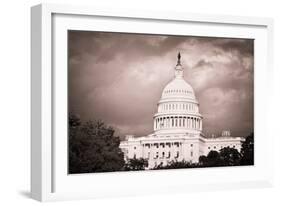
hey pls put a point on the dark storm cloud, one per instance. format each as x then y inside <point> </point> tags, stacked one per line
<point>119,78</point>
<point>244,47</point>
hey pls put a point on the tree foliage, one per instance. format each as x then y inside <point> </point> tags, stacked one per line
<point>225,157</point>
<point>213,159</point>
<point>136,164</point>
<point>247,151</point>
<point>176,165</point>
<point>93,147</point>
<point>230,156</point>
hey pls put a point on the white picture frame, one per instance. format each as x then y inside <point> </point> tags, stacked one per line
<point>49,181</point>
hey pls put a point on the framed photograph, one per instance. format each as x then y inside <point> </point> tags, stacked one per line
<point>133,102</point>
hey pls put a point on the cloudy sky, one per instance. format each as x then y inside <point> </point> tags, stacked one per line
<point>118,78</point>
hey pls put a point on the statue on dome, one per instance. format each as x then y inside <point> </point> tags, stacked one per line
<point>179,59</point>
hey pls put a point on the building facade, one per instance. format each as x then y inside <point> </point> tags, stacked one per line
<point>177,127</point>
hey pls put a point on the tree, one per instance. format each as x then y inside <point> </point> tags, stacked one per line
<point>136,164</point>
<point>225,157</point>
<point>230,156</point>
<point>176,165</point>
<point>93,147</point>
<point>213,159</point>
<point>247,151</point>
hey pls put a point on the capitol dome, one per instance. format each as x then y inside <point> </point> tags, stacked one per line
<point>178,87</point>
<point>178,109</point>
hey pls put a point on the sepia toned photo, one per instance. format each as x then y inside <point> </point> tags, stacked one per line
<point>152,102</point>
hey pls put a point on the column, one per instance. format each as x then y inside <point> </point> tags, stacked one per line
<point>157,123</point>
<point>172,149</point>
<point>169,122</point>
<point>194,123</point>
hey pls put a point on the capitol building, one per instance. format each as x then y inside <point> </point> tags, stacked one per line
<point>177,124</point>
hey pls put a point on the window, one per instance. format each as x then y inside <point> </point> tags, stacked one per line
<point>163,154</point>
<point>135,156</point>
<point>135,148</point>
<point>191,153</point>
<point>191,145</point>
<point>208,147</point>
